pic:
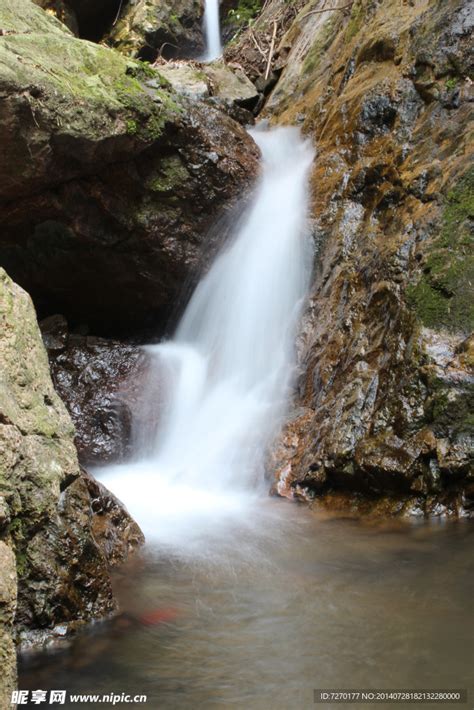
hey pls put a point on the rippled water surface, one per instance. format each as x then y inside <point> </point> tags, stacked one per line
<point>258,611</point>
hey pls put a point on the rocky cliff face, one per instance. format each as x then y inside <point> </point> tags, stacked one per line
<point>384,405</point>
<point>107,176</point>
<point>50,513</point>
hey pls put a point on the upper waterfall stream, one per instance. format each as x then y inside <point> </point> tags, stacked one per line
<point>227,372</point>
<point>212,30</point>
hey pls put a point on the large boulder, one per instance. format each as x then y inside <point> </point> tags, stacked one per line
<point>149,29</point>
<point>47,509</point>
<point>109,181</point>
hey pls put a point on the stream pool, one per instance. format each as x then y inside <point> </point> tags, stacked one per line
<point>260,609</point>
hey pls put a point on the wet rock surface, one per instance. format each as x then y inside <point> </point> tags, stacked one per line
<point>48,509</point>
<point>114,530</point>
<point>99,381</point>
<point>107,177</point>
<point>383,413</point>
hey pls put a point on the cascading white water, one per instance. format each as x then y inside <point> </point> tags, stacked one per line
<point>212,30</point>
<point>229,367</point>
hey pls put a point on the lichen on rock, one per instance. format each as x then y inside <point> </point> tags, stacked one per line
<point>442,296</point>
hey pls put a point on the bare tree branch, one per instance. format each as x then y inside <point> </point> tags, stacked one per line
<point>327,9</point>
<point>272,49</point>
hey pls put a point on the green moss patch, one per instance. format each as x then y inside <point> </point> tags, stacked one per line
<point>244,13</point>
<point>171,176</point>
<point>444,296</point>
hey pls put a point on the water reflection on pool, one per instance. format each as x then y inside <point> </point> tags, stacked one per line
<point>275,605</point>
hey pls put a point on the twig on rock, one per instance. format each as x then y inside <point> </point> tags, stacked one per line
<point>166,44</point>
<point>272,49</point>
<point>254,40</point>
<point>118,13</point>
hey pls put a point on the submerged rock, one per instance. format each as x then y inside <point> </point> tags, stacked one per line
<point>47,507</point>
<point>109,180</point>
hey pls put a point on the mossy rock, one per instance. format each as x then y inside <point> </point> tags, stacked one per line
<point>97,223</point>
<point>70,103</point>
<point>46,506</point>
<point>171,175</point>
<point>356,20</point>
<point>24,16</point>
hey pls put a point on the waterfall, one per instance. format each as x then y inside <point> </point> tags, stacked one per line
<point>212,30</point>
<point>230,365</point>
